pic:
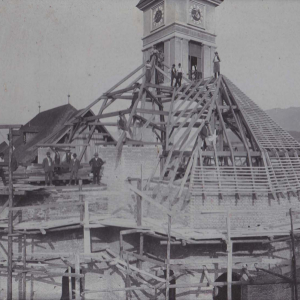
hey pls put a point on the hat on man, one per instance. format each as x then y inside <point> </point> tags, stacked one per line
<point>74,155</point>
<point>216,52</point>
<point>48,153</point>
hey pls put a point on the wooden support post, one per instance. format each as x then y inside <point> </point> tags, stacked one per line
<point>81,207</point>
<point>121,244</point>
<point>83,286</point>
<point>128,283</point>
<point>70,283</point>
<point>139,205</point>
<point>141,252</point>
<point>168,258</point>
<point>294,262</point>
<point>77,279</point>
<point>229,258</point>
<point>10,219</point>
<point>24,267</point>
<point>32,276</point>
<point>86,229</point>
<point>20,276</point>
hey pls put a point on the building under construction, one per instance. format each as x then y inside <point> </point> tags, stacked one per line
<point>200,191</point>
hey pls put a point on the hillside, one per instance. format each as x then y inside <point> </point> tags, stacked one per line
<point>287,118</point>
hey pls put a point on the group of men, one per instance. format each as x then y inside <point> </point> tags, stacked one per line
<point>73,162</point>
<point>176,74</point>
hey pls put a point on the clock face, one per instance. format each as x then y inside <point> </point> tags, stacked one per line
<point>196,14</point>
<point>158,16</point>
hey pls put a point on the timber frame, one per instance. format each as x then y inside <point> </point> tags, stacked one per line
<point>196,125</point>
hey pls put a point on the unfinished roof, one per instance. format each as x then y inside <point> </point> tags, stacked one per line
<point>198,126</point>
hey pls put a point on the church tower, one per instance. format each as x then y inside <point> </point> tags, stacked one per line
<point>184,30</point>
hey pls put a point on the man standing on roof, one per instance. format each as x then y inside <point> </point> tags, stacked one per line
<point>135,94</point>
<point>74,167</point>
<point>148,71</point>
<point>179,76</point>
<point>216,62</point>
<point>48,168</point>
<point>173,74</point>
<point>96,163</point>
<point>1,169</point>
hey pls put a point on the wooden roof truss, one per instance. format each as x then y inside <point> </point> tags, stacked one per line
<point>266,161</point>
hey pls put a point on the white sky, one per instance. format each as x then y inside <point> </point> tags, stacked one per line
<point>52,48</point>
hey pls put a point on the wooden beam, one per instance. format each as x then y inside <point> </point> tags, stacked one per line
<point>152,124</point>
<point>125,78</point>
<point>229,258</point>
<point>10,126</point>
<point>61,145</point>
<point>86,229</point>
<point>162,87</point>
<point>10,220</point>
<point>150,200</point>
<point>152,112</point>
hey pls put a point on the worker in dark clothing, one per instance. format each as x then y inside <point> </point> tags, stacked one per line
<point>204,133</point>
<point>179,76</point>
<point>135,95</point>
<point>148,71</point>
<point>173,74</point>
<point>1,169</point>
<point>48,168</point>
<point>57,161</point>
<point>96,163</point>
<point>68,156</point>
<point>57,157</point>
<point>216,62</point>
<point>74,167</point>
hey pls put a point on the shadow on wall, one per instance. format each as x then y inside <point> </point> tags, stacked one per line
<point>220,293</point>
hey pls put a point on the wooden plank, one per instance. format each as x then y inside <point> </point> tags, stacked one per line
<point>77,280</point>
<point>10,126</point>
<point>137,79</point>
<point>208,261</point>
<point>45,206</point>
<point>10,219</point>
<point>139,211</point>
<point>294,261</point>
<point>146,125</point>
<point>127,89</point>
<point>92,131</point>
<point>186,98</point>
<point>162,72</point>
<point>24,267</point>
<point>158,102</point>
<point>154,125</point>
<point>61,145</point>
<point>150,200</point>
<point>229,144</point>
<point>229,258</point>
<point>152,112</point>
<point>162,87</point>
<point>125,78</point>
<point>86,229</point>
